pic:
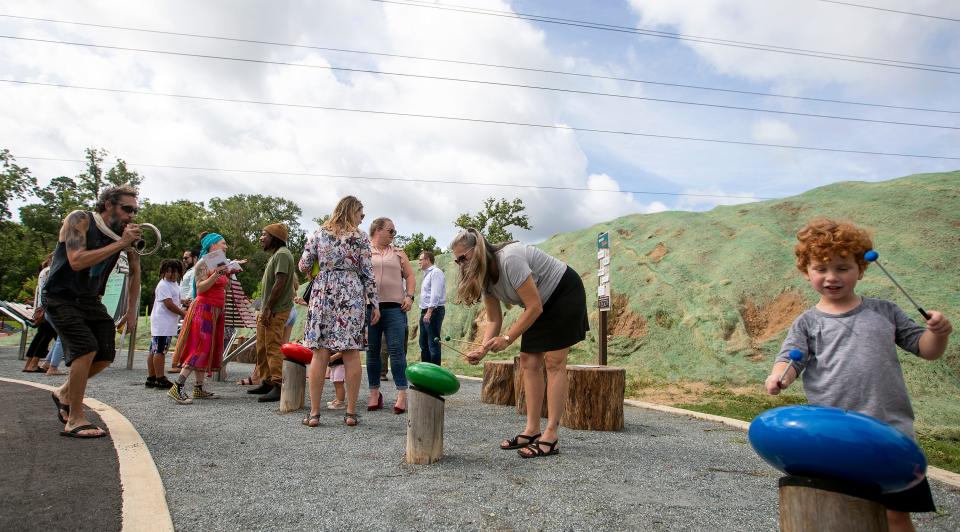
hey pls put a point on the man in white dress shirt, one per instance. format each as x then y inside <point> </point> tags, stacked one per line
<point>433,297</point>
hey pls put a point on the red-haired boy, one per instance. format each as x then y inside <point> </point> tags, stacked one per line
<point>849,345</point>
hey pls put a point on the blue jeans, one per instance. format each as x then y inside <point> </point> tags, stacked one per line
<point>55,356</point>
<point>392,323</point>
<point>430,336</point>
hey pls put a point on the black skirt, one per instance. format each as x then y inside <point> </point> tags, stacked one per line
<point>563,322</point>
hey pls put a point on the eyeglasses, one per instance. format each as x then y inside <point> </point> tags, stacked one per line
<point>462,258</point>
<point>130,209</point>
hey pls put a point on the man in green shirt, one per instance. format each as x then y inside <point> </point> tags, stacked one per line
<point>277,296</point>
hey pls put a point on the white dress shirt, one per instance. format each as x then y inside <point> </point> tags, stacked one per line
<point>433,290</point>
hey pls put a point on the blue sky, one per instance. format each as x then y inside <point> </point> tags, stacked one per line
<point>60,123</point>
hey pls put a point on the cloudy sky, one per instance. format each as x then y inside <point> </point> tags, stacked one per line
<point>318,131</point>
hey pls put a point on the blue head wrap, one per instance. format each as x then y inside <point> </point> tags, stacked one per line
<point>209,240</point>
<point>205,243</point>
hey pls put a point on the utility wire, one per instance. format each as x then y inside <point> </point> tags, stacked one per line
<point>944,69</point>
<point>483,82</point>
<point>477,120</point>
<point>409,179</point>
<point>482,64</point>
<point>913,13</point>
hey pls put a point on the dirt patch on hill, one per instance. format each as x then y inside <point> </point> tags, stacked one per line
<point>624,233</point>
<point>479,327</point>
<point>658,252</point>
<point>623,322</point>
<point>672,393</point>
<point>766,321</point>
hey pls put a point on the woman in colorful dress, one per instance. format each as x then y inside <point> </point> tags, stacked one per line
<point>200,348</point>
<point>343,287</point>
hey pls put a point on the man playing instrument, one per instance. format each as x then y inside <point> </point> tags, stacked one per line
<point>89,246</point>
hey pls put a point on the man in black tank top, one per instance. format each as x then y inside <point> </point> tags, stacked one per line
<point>89,246</point>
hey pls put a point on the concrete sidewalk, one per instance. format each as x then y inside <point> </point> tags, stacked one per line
<point>233,463</point>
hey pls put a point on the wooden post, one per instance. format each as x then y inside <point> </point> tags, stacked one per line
<point>498,387</point>
<point>424,427</point>
<point>293,386</point>
<point>602,355</point>
<point>594,398</point>
<point>808,505</point>
<point>520,394</point>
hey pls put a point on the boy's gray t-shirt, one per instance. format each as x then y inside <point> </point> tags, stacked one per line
<point>851,362</point>
<point>519,261</point>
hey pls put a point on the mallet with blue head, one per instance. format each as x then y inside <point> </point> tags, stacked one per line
<point>795,356</point>
<point>873,256</point>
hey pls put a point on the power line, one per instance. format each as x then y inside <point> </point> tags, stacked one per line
<point>484,82</point>
<point>944,69</point>
<point>482,64</point>
<point>409,179</point>
<point>912,13</point>
<point>478,120</point>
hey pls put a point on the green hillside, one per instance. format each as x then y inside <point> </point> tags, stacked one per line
<point>702,300</point>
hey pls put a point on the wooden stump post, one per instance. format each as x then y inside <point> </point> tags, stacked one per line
<point>518,389</point>
<point>424,427</point>
<point>293,386</point>
<point>498,386</point>
<point>808,505</point>
<point>594,398</point>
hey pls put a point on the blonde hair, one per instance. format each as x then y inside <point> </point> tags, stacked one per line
<point>378,224</point>
<point>481,269</point>
<point>341,221</point>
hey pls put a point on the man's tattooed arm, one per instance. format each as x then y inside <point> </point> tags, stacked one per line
<point>73,234</point>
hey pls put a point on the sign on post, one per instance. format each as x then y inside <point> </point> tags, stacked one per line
<point>603,291</point>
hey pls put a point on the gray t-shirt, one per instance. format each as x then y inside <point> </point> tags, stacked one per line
<point>519,261</point>
<point>851,362</point>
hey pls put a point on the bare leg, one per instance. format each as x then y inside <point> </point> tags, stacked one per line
<point>318,367</point>
<point>81,369</point>
<point>351,367</point>
<point>556,362</point>
<point>340,391</point>
<point>899,521</point>
<point>532,364</point>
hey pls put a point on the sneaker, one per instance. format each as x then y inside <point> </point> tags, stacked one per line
<point>200,393</point>
<point>177,395</point>
<point>163,383</point>
<point>336,405</point>
<point>151,383</point>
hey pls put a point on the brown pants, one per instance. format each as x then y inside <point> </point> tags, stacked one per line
<point>269,359</point>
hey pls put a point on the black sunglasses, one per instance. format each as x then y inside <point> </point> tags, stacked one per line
<point>393,232</point>
<point>461,259</point>
<point>130,209</point>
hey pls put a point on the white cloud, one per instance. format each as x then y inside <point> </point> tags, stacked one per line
<point>774,132</point>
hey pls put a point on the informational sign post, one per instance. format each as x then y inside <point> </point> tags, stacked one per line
<point>603,291</point>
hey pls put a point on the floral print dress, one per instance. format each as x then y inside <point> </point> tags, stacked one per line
<point>336,315</point>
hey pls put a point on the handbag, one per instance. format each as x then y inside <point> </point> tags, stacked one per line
<point>308,290</point>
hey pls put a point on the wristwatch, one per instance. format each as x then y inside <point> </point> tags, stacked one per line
<point>506,337</point>
<point>410,296</point>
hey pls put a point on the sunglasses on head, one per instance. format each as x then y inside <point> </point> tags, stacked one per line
<point>130,209</point>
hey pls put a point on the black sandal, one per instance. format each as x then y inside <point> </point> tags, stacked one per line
<point>309,419</point>
<point>536,451</point>
<point>514,443</point>
<point>61,407</point>
<point>354,417</point>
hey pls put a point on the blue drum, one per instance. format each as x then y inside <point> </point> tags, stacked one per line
<point>831,443</point>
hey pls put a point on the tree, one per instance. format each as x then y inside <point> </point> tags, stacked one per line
<point>180,224</point>
<point>91,182</point>
<point>415,244</point>
<point>15,182</point>
<point>494,219</point>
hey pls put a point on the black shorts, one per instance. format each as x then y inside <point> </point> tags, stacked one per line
<point>916,499</point>
<point>563,322</point>
<point>84,327</point>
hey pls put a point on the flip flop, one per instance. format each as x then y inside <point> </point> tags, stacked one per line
<point>75,433</point>
<point>60,407</point>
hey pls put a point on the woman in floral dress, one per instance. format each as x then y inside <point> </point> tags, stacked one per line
<point>343,288</point>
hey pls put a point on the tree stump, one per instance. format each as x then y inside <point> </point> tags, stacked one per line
<point>808,505</point>
<point>293,386</point>
<point>594,398</point>
<point>498,386</point>
<point>518,389</point>
<point>424,427</point>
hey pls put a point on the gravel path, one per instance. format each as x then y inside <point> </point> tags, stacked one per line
<point>234,463</point>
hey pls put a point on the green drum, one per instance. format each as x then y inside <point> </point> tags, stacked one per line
<point>432,378</point>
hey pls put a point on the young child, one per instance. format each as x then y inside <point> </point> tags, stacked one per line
<point>337,377</point>
<point>163,321</point>
<point>849,345</point>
